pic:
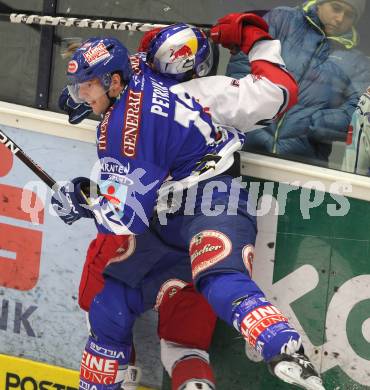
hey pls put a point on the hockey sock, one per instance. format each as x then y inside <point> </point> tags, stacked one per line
<point>189,369</point>
<point>103,366</point>
<point>239,301</point>
<point>224,291</point>
<point>265,328</point>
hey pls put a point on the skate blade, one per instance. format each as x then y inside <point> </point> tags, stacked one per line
<point>292,375</point>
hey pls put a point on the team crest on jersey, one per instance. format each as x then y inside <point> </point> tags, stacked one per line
<point>248,258</point>
<point>115,193</point>
<point>131,125</point>
<point>207,249</point>
<point>114,170</point>
<point>96,54</point>
<point>114,184</point>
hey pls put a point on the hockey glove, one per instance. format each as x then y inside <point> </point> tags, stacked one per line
<point>240,31</point>
<point>147,38</point>
<point>76,111</point>
<point>69,201</point>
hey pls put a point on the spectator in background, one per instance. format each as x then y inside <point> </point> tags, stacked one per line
<point>357,153</point>
<point>319,47</point>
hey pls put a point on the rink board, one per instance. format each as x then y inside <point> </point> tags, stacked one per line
<point>317,270</point>
<point>41,263</point>
<point>17,373</point>
<point>23,374</point>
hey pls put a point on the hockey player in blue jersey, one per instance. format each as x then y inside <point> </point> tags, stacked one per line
<point>184,348</point>
<point>154,132</point>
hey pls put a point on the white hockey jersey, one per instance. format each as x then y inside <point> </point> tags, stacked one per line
<point>248,103</point>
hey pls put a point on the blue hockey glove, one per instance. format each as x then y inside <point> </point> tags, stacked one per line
<point>76,111</point>
<point>69,200</point>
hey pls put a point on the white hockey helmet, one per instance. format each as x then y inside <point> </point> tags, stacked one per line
<point>180,51</point>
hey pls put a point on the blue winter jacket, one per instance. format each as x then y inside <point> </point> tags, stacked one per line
<point>331,78</point>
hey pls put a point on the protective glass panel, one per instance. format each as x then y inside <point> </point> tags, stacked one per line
<point>19,59</point>
<point>330,63</point>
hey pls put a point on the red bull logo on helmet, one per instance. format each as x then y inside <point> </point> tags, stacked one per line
<point>185,51</point>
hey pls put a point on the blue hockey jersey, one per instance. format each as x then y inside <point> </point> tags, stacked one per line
<point>148,136</point>
<point>156,131</point>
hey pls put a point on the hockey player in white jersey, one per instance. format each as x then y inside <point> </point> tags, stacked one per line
<point>257,98</point>
<point>357,153</point>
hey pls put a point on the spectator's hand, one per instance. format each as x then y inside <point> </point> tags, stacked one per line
<point>76,111</point>
<point>69,200</point>
<point>147,38</point>
<point>240,31</point>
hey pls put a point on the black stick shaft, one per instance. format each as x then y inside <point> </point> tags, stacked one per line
<point>5,12</point>
<point>68,21</point>
<point>18,152</point>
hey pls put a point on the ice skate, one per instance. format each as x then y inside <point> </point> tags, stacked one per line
<point>296,369</point>
<point>197,385</point>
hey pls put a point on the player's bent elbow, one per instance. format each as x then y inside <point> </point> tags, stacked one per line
<point>281,78</point>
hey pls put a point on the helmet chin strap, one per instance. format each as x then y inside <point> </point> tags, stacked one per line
<point>112,100</point>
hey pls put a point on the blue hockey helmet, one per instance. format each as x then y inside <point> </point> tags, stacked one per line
<point>97,58</point>
<point>181,51</point>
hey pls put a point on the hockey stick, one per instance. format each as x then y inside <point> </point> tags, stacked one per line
<point>83,23</point>
<point>35,168</point>
<point>71,21</point>
<point>104,24</point>
<point>35,21</point>
<point>6,10</point>
<point>18,152</point>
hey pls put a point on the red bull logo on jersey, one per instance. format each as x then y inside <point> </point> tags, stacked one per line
<point>187,50</point>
